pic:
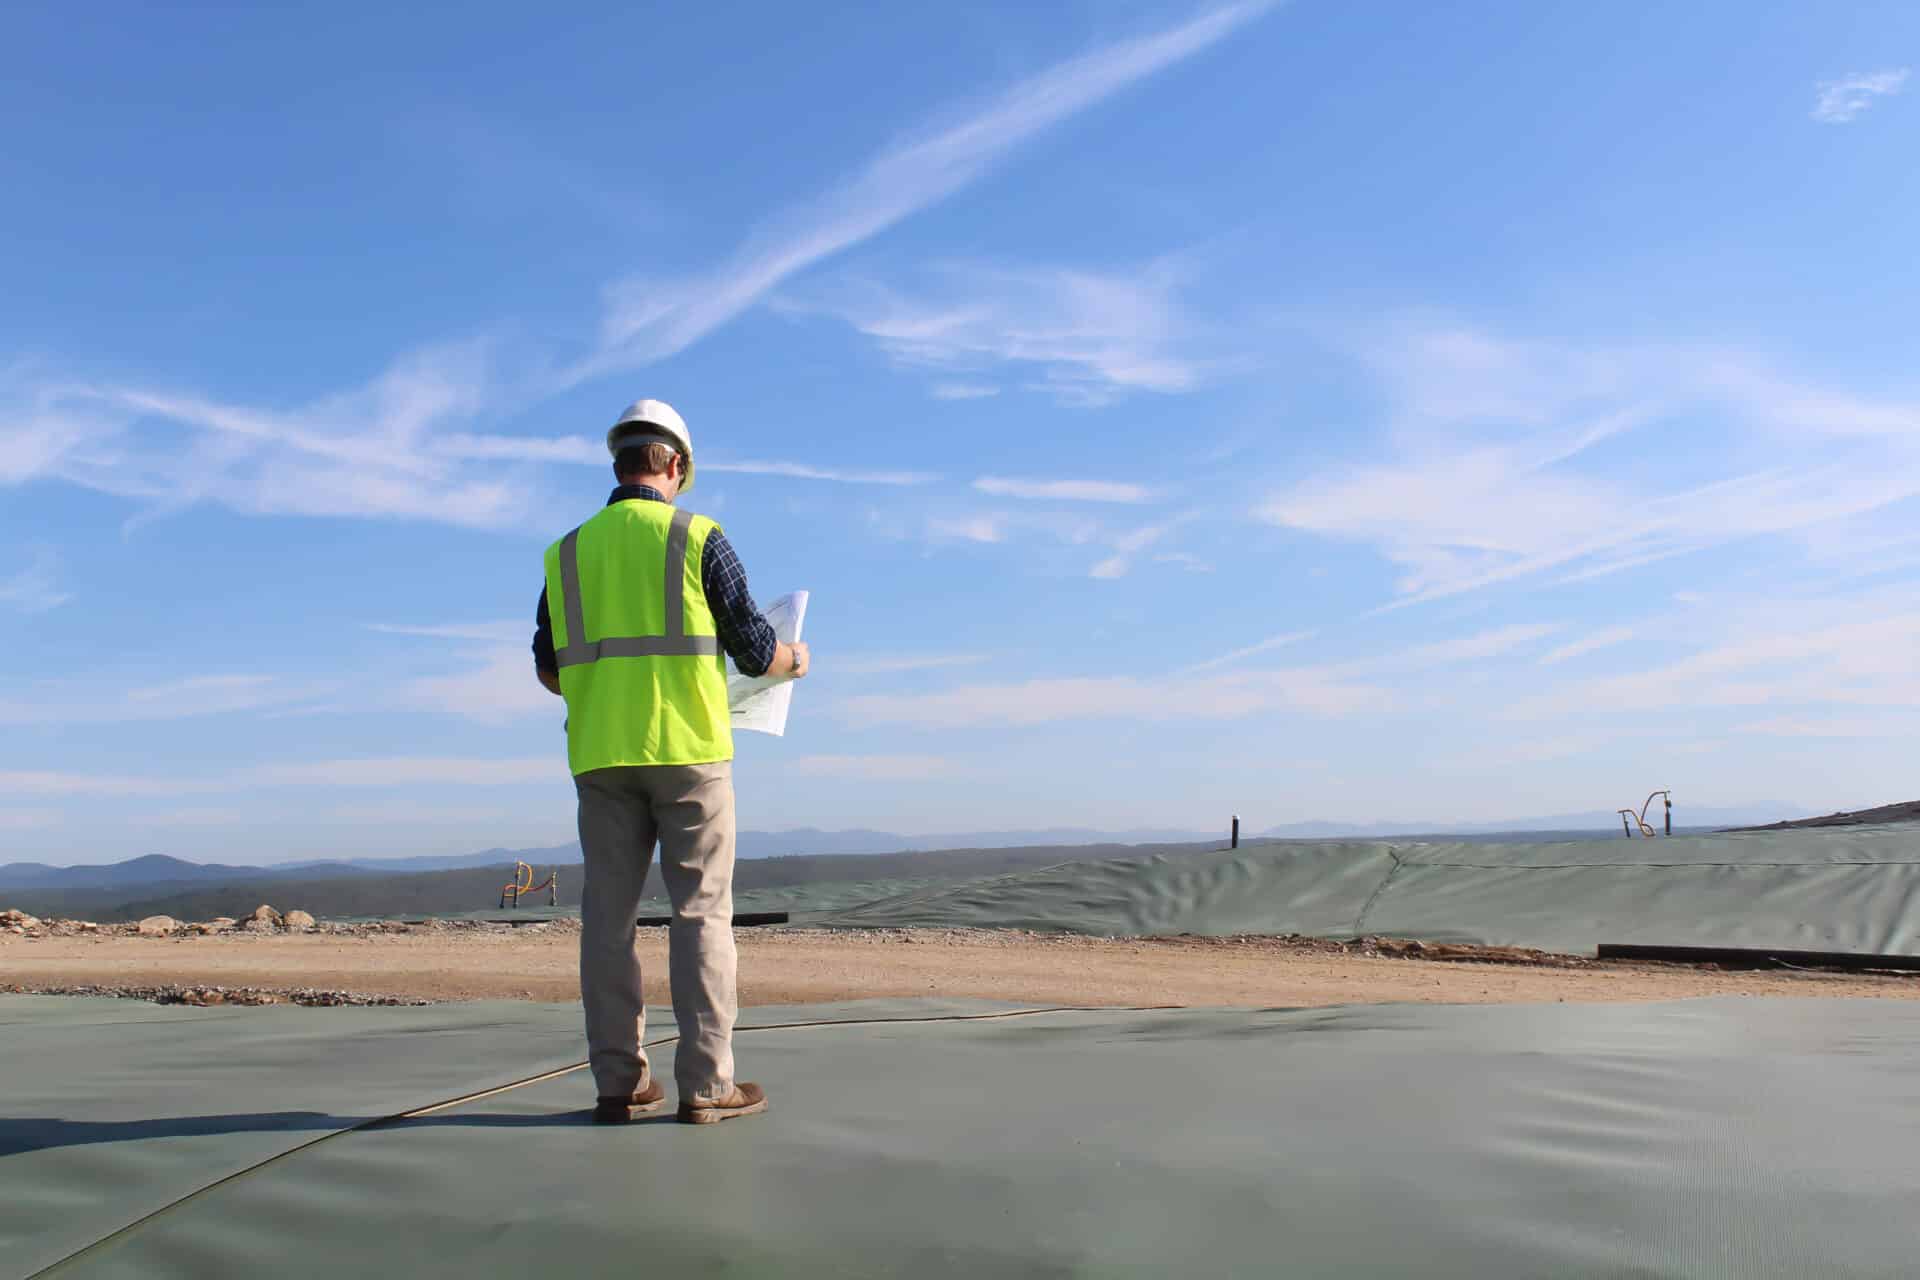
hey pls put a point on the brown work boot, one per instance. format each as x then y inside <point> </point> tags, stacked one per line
<point>745,1100</point>
<point>621,1110</point>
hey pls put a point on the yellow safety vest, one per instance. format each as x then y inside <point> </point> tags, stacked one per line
<point>640,660</point>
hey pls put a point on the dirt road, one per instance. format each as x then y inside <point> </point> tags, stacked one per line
<point>802,967</point>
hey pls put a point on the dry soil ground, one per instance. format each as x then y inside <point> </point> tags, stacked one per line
<point>800,967</point>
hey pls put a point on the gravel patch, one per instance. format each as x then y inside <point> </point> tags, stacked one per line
<point>208,997</point>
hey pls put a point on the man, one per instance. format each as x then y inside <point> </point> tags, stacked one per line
<point>639,603</point>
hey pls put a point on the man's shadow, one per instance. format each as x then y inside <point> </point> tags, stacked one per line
<point>23,1135</point>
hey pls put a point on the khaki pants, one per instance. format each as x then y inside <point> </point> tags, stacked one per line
<point>688,809</point>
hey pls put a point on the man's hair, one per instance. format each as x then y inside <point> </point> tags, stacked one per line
<point>644,458</point>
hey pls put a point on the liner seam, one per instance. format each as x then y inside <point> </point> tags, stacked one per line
<point>400,1117</point>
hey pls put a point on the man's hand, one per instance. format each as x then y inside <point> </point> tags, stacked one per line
<point>550,680</point>
<point>790,660</point>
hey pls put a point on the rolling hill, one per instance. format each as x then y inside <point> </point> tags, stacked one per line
<point>460,890</point>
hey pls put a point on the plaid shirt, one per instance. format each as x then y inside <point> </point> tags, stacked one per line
<point>746,636</point>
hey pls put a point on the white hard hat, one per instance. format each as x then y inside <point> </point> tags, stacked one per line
<point>653,419</point>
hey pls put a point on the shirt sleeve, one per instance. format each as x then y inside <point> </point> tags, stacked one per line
<point>543,655</point>
<point>744,632</point>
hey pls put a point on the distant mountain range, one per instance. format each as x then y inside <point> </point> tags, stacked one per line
<point>347,893</point>
<point>159,869</point>
<point>155,869</point>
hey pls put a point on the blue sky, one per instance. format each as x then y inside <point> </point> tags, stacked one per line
<point>1307,410</point>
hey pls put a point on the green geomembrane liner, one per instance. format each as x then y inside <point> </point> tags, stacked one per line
<point>1720,1138</point>
<point>1854,890</point>
<point>808,902</point>
<point>111,1108</point>
<point>1857,890</point>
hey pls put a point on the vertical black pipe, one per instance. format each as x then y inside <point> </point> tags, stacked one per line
<point>1236,831</point>
<point>1669,815</point>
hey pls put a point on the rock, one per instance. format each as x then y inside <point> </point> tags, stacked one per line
<point>158,926</point>
<point>11,918</point>
<point>298,920</point>
<point>266,913</point>
<point>258,925</point>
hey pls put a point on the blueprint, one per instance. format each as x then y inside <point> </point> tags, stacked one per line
<point>760,703</point>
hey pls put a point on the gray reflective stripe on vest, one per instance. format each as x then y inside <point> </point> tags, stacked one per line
<point>677,573</point>
<point>674,644</point>
<point>639,647</point>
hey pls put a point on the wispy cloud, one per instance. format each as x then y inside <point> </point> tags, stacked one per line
<point>366,452</point>
<point>1034,702</point>
<point>1842,100</point>
<point>1477,646</point>
<point>392,448</point>
<point>496,632</point>
<point>806,471</point>
<point>1833,727</point>
<point>203,816</point>
<point>580,450</point>
<point>401,446</point>
<point>45,782</point>
<point>881,664</point>
<point>1559,746</point>
<point>1493,643</point>
<point>903,768</point>
<point>963,390</point>
<point>1062,490</point>
<point>496,686</point>
<point>975,528</point>
<point>1082,337</point>
<point>390,771</point>
<point>1268,645</point>
<point>1130,544</point>
<point>1588,644</point>
<point>69,701</point>
<point>241,689</point>
<point>590,452</point>
<point>28,819</point>
<point>404,771</point>
<point>1791,662</point>
<point>1185,559</point>
<point>495,682</point>
<point>648,320</point>
<point>1506,461</point>
<point>1116,546</point>
<point>35,589</point>
<point>41,431</point>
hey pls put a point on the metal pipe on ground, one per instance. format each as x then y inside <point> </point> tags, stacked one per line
<point>741,919</point>
<point>1757,957</point>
